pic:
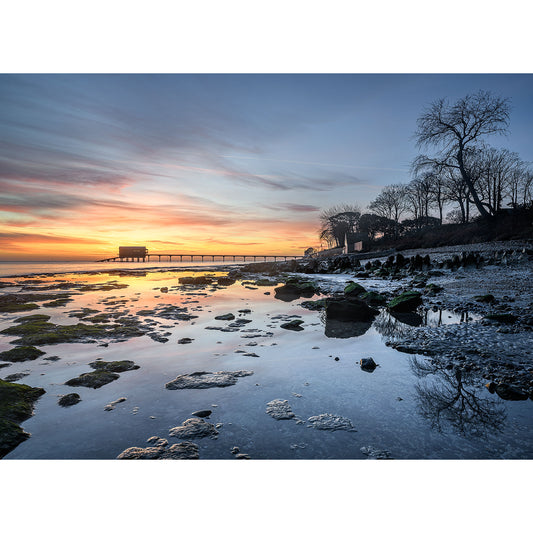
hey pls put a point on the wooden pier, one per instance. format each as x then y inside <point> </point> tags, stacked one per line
<point>201,257</point>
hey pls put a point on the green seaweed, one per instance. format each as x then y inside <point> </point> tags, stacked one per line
<point>21,353</point>
<point>16,405</point>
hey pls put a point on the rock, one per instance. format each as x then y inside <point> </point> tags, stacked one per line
<point>486,298</point>
<point>93,380</point>
<point>206,380</point>
<point>69,399</point>
<point>279,409</point>
<point>295,288</point>
<point>374,298</point>
<point>329,422</point>
<point>227,316</point>
<point>114,366</point>
<point>491,387</point>
<point>293,325</point>
<point>182,450</point>
<point>345,309</point>
<point>196,280</point>
<point>374,453</point>
<point>242,456</point>
<point>194,428</point>
<point>353,290</point>
<point>368,364</point>
<point>16,405</point>
<point>405,302</point>
<point>506,318</point>
<point>157,441</point>
<point>21,353</point>
<point>111,405</point>
<point>235,450</point>
<point>202,414</point>
<point>164,289</point>
<point>510,392</point>
<point>16,377</point>
<point>185,340</point>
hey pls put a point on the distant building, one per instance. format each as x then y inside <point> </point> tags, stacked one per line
<point>132,252</point>
<point>354,242</point>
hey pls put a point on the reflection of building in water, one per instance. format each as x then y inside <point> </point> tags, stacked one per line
<point>449,398</point>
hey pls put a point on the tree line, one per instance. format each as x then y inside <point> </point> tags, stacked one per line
<point>460,174</point>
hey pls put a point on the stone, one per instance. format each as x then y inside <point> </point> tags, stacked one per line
<point>279,409</point>
<point>182,450</point>
<point>93,380</point>
<point>15,377</point>
<point>114,366</point>
<point>111,405</point>
<point>206,380</point>
<point>194,428</point>
<point>368,364</point>
<point>16,405</point>
<point>69,399</point>
<point>329,422</point>
<point>227,316</point>
<point>202,414</point>
<point>345,309</point>
<point>405,302</point>
<point>510,392</point>
<point>353,290</point>
<point>374,453</point>
<point>185,340</point>
<point>21,353</point>
<point>293,325</point>
<point>157,441</point>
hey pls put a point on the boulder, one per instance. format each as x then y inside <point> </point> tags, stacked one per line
<point>368,364</point>
<point>405,302</point>
<point>353,290</point>
<point>510,392</point>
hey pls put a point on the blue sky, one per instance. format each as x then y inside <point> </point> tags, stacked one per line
<point>243,161</point>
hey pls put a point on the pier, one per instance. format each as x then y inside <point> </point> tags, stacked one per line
<point>201,257</point>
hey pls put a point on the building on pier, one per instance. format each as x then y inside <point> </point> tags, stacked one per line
<point>132,252</point>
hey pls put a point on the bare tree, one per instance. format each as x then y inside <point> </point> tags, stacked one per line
<point>391,203</point>
<point>456,190</point>
<point>454,128</point>
<point>337,221</point>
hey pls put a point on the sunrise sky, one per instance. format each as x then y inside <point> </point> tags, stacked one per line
<point>209,163</point>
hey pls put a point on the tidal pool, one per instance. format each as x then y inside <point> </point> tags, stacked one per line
<point>407,408</point>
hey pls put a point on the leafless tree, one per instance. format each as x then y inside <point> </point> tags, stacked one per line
<point>338,220</point>
<point>455,128</point>
<point>391,203</point>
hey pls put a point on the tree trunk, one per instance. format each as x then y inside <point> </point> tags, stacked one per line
<point>466,177</point>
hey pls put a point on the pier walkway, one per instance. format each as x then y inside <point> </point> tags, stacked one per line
<point>201,257</point>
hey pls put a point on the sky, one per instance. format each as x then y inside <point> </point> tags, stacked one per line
<point>222,163</point>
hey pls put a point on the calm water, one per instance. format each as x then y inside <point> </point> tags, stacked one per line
<point>14,268</point>
<point>407,406</point>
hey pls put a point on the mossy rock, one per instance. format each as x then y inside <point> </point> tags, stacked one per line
<point>16,405</point>
<point>41,332</point>
<point>374,298</point>
<point>353,290</point>
<point>93,380</point>
<point>32,318</point>
<point>114,366</point>
<point>405,302</point>
<point>69,399</point>
<point>314,305</point>
<point>295,288</point>
<point>60,302</point>
<point>196,280</point>
<point>17,307</point>
<point>505,318</point>
<point>264,282</point>
<point>433,288</point>
<point>14,303</point>
<point>21,353</point>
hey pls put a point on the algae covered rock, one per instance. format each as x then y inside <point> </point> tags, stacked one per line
<point>405,302</point>
<point>329,422</point>
<point>206,380</point>
<point>16,405</point>
<point>353,290</point>
<point>373,298</point>
<point>93,380</point>
<point>69,399</point>
<point>21,353</point>
<point>295,288</point>
<point>114,366</point>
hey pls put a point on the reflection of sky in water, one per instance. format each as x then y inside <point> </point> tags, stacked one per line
<point>289,367</point>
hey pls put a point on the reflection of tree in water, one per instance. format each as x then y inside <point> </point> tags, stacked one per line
<point>451,399</point>
<point>389,326</point>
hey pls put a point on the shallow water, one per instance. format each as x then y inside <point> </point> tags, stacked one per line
<point>407,406</point>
